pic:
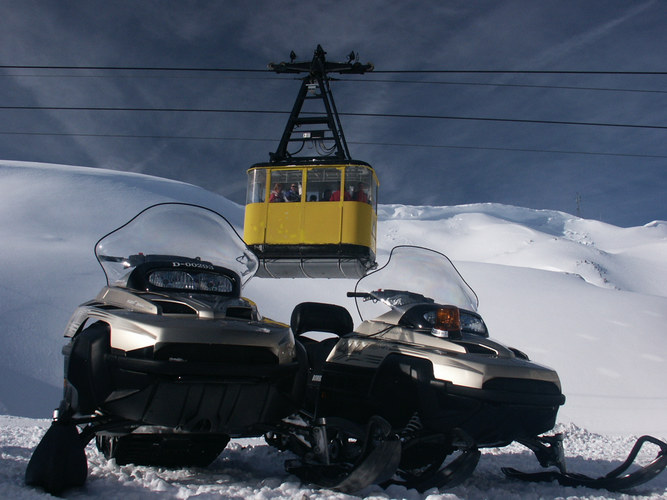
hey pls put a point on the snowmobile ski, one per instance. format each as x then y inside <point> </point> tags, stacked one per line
<point>614,481</point>
<point>452,474</point>
<point>59,461</point>
<point>377,462</point>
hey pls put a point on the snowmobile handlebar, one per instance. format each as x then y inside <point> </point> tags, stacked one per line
<point>393,297</point>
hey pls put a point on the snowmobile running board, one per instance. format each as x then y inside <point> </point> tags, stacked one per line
<point>613,481</point>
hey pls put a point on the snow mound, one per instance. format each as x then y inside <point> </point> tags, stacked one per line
<point>601,254</point>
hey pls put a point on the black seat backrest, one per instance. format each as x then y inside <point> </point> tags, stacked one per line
<point>316,316</point>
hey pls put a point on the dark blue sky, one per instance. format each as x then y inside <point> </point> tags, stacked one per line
<point>615,174</point>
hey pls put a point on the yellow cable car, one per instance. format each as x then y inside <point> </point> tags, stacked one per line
<point>314,221</point>
<point>313,216</point>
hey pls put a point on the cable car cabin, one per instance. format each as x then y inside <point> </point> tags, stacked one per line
<point>312,220</point>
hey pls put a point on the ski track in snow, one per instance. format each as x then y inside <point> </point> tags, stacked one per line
<point>250,469</point>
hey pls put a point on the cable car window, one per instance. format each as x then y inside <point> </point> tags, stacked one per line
<point>322,183</point>
<point>256,191</point>
<point>359,184</point>
<point>286,186</point>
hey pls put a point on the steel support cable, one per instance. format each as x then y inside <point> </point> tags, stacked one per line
<point>367,115</point>
<point>130,68</point>
<point>360,143</point>
<point>400,71</point>
<point>344,80</point>
<point>517,85</point>
<point>513,120</point>
<point>521,72</point>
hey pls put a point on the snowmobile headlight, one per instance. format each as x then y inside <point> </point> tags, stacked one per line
<point>471,323</point>
<point>189,280</point>
<point>447,323</point>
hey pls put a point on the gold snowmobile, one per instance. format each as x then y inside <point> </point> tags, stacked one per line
<point>421,366</point>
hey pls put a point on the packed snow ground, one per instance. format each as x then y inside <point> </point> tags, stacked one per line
<point>584,297</point>
<point>248,469</point>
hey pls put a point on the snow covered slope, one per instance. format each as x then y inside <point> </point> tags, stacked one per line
<point>584,297</point>
<point>51,216</point>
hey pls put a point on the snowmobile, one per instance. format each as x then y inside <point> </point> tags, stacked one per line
<point>169,360</point>
<point>421,382</point>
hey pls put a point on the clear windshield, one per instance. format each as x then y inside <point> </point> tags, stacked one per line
<point>413,275</point>
<point>178,230</point>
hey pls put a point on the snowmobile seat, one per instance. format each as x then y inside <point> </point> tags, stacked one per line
<point>319,317</point>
